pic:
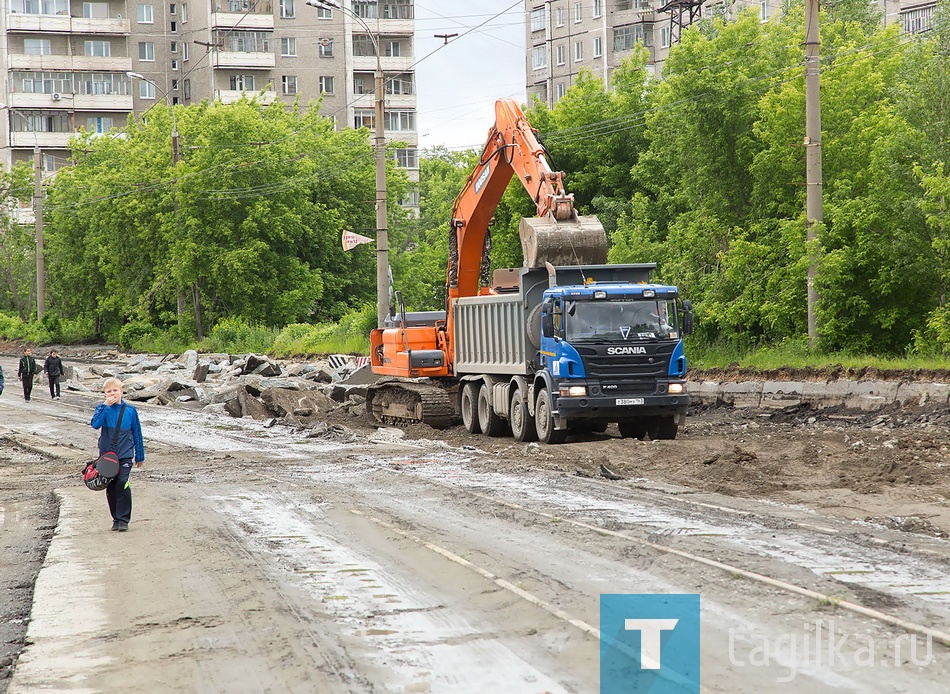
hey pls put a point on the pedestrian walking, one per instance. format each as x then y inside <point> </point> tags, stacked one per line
<point>109,415</point>
<point>1,380</point>
<point>53,366</point>
<point>26,372</point>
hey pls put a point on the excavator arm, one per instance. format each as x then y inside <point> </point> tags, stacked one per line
<point>512,147</point>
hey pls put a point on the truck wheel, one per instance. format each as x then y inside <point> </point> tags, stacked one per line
<point>469,406</point>
<point>632,430</point>
<point>488,421</point>
<point>544,420</point>
<point>663,428</point>
<point>522,423</point>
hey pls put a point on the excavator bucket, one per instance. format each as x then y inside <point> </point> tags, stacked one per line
<point>577,241</point>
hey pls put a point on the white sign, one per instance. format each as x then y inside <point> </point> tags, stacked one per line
<point>351,240</point>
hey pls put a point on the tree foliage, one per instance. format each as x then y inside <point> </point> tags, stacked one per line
<point>246,225</point>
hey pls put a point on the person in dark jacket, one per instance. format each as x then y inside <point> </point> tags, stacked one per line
<point>129,446</point>
<point>26,372</point>
<point>53,366</point>
<point>1,380</point>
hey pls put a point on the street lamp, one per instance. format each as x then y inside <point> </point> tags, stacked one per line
<point>139,76</point>
<point>37,215</point>
<point>382,223</point>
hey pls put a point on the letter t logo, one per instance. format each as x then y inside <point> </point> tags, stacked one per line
<point>650,630</point>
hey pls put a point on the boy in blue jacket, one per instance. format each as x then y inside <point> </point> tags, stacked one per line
<point>128,446</point>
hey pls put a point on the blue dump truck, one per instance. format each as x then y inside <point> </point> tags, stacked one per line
<point>555,350</point>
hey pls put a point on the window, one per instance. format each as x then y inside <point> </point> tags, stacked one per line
<point>98,83</point>
<point>578,51</point>
<point>185,51</point>
<point>401,120</point>
<point>764,10</point>
<point>400,84</point>
<point>186,85</point>
<point>598,8</point>
<point>918,19</point>
<point>598,46</point>
<point>144,14</point>
<point>411,199</point>
<point>50,163</point>
<point>288,47</point>
<point>43,82</point>
<point>366,9</point>
<point>326,84</point>
<point>100,49</point>
<point>288,85</point>
<point>95,10</point>
<point>173,27</point>
<point>537,19</point>
<point>326,48</point>
<point>146,90</point>
<point>363,45</point>
<point>559,54</point>
<point>578,12</point>
<point>172,9</point>
<point>173,47</point>
<point>665,32</point>
<point>184,18</point>
<point>624,5</point>
<point>174,64</point>
<point>40,123</point>
<point>625,38</point>
<point>559,91</point>
<point>99,124</point>
<point>242,83</point>
<point>324,13</point>
<point>559,16</point>
<point>392,49</point>
<point>244,41</point>
<point>362,85</point>
<point>364,118</point>
<point>36,46</point>
<point>398,9</point>
<point>539,58</point>
<point>40,7</point>
<point>407,157</point>
<point>175,85</point>
<point>287,9</point>
<point>147,51</point>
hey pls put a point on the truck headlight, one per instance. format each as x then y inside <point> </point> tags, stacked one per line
<point>573,391</point>
<point>676,388</point>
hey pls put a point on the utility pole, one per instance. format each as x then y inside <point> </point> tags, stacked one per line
<point>38,214</point>
<point>814,211</point>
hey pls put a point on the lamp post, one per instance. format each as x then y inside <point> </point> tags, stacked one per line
<point>37,216</point>
<point>382,223</point>
<point>139,76</point>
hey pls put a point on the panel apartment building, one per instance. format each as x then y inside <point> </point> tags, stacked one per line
<point>66,63</point>
<point>563,36</point>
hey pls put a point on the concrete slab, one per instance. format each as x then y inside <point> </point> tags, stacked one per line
<point>782,393</point>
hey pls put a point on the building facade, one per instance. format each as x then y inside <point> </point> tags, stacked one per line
<point>563,36</point>
<point>66,64</point>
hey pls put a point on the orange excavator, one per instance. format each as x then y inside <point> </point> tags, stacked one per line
<point>419,350</point>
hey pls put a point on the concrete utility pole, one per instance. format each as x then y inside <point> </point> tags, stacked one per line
<point>382,209</point>
<point>38,213</point>
<point>814,212</point>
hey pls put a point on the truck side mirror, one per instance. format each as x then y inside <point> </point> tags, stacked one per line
<point>547,325</point>
<point>687,317</point>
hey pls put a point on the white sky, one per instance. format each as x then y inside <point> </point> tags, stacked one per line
<point>457,84</point>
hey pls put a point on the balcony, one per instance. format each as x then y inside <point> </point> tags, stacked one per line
<point>367,63</point>
<point>40,139</point>
<point>229,96</point>
<point>64,24</point>
<point>69,63</point>
<point>251,20</point>
<point>242,59</point>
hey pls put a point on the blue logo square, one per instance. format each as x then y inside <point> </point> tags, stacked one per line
<point>649,643</point>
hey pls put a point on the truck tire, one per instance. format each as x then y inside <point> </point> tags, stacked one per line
<point>664,427</point>
<point>488,421</point>
<point>632,430</point>
<point>522,423</point>
<point>544,420</point>
<point>468,404</point>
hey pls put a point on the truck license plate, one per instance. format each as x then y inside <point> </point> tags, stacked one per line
<point>629,401</point>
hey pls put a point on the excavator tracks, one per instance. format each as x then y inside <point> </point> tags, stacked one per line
<point>403,402</point>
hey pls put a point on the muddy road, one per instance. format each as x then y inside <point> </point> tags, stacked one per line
<point>364,560</point>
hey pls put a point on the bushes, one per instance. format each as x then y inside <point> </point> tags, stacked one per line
<point>237,335</point>
<point>349,336</point>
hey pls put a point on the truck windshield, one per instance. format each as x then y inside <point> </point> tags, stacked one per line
<point>589,321</point>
